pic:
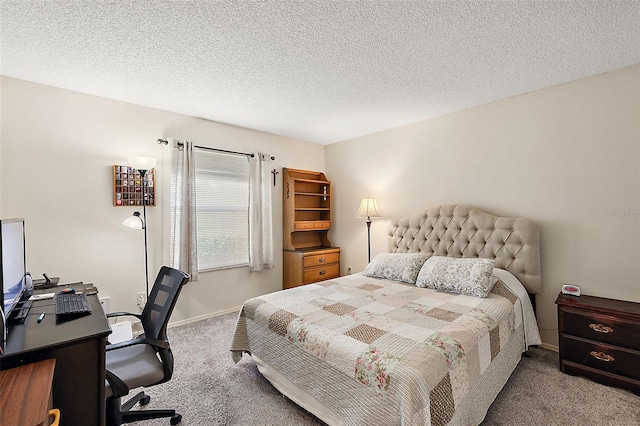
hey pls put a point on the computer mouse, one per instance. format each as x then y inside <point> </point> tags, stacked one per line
<point>67,290</point>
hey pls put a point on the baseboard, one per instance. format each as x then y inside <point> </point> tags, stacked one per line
<point>203,317</point>
<point>549,347</point>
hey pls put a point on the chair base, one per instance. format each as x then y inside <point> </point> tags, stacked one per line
<point>120,414</point>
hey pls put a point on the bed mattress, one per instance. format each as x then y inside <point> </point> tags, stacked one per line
<point>365,351</point>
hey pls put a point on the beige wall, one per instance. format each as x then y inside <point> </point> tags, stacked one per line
<point>567,157</point>
<point>57,149</point>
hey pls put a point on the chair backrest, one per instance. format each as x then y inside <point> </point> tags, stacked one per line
<point>157,311</point>
<point>161,302</point>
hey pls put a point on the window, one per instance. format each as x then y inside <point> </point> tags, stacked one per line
<point>222,209</point>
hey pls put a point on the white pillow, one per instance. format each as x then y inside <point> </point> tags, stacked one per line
<point>396,266</point>
<point>470,276</point>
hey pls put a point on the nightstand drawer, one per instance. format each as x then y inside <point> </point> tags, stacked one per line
<point>320,259</point>
<point>601,376</point>
<point>601,328</point>
<point>613,359</point>
<point>312,275</point>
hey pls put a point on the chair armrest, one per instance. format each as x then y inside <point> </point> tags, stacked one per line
<point>162,344</point>
<point>122,314</point>
<point>118,387</point>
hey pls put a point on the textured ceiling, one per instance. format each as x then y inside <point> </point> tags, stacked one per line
<point>321,71</point>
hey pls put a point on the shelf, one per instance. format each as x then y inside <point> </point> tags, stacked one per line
<point>312,194</point>
<point>318,249</point>
<point>306,209</point>
<point>324,182</point>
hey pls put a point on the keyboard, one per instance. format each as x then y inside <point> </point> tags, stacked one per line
<point>72,305</point>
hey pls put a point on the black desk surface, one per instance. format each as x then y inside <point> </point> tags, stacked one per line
<point>33,336</point>
<point>77,345</point>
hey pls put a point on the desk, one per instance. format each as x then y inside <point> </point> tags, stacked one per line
<point>25,394</point>
<point>78,346</point>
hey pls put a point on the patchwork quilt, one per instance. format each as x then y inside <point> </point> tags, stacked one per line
<point>379,352</point>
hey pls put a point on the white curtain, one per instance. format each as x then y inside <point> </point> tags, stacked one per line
<point>260,221</point>
<point>183,244</point>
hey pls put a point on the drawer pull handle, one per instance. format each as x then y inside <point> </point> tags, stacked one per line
<point>322,272</point>
<point>602,356</point>
<point>322,260</point>
<point>601,328</point>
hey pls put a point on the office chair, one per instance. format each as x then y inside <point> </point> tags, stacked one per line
<point>146,360</point>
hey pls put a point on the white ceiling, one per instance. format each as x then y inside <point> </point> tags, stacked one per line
<point>321,71</point>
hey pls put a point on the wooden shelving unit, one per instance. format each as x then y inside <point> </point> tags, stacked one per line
<point>307,220</point>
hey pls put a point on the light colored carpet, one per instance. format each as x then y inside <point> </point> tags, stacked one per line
<point>207,388</point>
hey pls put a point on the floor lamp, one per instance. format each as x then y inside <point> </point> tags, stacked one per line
<point>368,208</point>
<point>142,165</point>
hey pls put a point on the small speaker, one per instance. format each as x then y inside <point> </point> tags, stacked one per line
<point>28,284</point>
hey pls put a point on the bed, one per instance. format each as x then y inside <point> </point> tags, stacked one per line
<point>377,348</point>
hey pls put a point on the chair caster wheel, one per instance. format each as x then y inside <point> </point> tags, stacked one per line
<point>175,419</point>
<point>145,400</point>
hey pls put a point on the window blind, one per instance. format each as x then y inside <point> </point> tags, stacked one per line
<point>222,209</point>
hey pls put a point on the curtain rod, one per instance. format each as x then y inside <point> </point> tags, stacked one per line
<point>180,145</point>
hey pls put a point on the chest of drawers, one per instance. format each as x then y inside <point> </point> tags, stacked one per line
<point>311,265</point>
<point>600,339</point>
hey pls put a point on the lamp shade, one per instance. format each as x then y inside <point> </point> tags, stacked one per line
<point>142,163</point>
<point>368,208</point>
<point>134,221</point>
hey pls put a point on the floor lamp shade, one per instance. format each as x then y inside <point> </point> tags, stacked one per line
<point>368,209</point>
<point>142,163</point>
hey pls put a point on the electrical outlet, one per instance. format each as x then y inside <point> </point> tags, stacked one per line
<point>141,299</point>
<point>104,301</point>
<point>349,270</point>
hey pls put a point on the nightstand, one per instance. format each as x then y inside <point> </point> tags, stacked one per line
<point>600,339</point>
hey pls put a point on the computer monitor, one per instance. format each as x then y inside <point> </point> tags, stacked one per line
<point>13,265</point>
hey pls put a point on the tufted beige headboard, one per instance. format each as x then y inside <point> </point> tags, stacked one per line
<point>462,231</point>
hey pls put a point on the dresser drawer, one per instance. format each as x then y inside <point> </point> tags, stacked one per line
<point>303,225</point>
<point>320,273</point>
<point>320,259</point>
<point>613,359</point>
<point>601,328</point>
<point>311,265</point>
<point>312,225</point>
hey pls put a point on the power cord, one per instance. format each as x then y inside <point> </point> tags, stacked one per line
<point>4,330</point>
